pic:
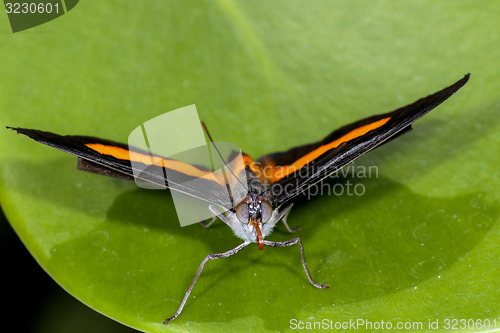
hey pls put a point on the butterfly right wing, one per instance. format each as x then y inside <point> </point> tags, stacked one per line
<point>294,171</point>
<point>115,159</point>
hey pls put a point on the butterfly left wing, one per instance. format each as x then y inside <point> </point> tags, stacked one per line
<point>115,159</point>
<point>294,171</point>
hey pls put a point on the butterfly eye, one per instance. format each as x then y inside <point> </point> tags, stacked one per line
<point>266,211</point>
<point>242,213</point>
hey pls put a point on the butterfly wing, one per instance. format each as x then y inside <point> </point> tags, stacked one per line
<point>115,159</point>
<point>297,169</point>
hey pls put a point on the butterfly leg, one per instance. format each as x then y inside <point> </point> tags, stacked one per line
<point>200,269</point>
<point>217,214</point>
<point>209,223</point>
<point>302,257</point>
<point>283,216</point>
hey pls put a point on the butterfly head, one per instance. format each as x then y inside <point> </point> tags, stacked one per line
<point>254,219</point>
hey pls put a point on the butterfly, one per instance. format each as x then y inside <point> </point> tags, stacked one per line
<point>272,182</point>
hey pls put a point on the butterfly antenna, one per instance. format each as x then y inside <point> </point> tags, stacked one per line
<point>225,163</point>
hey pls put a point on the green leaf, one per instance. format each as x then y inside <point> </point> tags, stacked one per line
<point>420,244</point>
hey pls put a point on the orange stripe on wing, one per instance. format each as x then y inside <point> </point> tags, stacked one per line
<point>127,155</point>
<point>283,171</point>
<point>245,162</point>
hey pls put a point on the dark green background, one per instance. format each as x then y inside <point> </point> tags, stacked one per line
<point>421,244</point>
